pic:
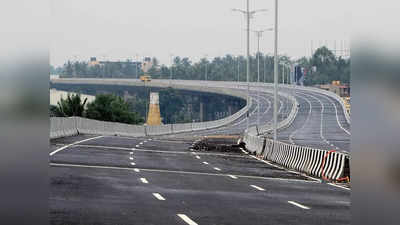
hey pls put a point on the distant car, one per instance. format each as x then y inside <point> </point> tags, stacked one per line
<point>145,78</point>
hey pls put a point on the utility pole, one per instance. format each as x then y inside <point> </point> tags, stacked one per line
<point>276,73</point>
<point>249,15</point>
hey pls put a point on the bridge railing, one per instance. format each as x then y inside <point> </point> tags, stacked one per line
<point>63,127</point>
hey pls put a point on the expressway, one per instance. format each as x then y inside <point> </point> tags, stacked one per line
<point>161,180</point>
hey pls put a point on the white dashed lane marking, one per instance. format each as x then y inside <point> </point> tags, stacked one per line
<point>133,164</point>
<point>187,219</point>
<point>131,158</point>
<point>298,205</point>
<point>137,146</point>
<point>158,196</point>
<point>233,177</point>
<point>144,180</point>
<point>131,153</point>
<point>206,163</point>
<point>197,157</point>
<point>140,143</point>
<point>257,187</point>
<point>136,170</point>
<point>216,168</point>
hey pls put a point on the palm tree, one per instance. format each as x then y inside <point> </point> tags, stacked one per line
<point>71,106</point>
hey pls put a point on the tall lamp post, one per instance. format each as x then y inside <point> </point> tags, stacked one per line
<point>259,34</point>
<point>276,73</point>
<point>206,62</point>
<point>137,61</point>
<point>170,69</point>
<point>249,15</point>
<point>238,74</point>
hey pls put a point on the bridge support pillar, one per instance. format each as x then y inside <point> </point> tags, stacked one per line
<point>201,110</point>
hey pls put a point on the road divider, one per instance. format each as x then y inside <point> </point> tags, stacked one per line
<point>329,165</point>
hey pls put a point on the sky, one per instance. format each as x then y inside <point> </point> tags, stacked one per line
<point>130,29</point>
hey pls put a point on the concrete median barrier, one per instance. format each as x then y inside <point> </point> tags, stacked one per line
<point>329,165</point>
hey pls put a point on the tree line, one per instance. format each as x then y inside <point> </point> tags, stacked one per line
<point>226,68</point>
<point>105,107</point>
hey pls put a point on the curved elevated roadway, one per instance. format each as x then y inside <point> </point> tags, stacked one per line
<point>160,180</point>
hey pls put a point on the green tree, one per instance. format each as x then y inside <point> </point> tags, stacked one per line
<point>108,107</point>
<point>71,106</point>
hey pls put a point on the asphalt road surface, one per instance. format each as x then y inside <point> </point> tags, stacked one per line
<point>161,180</point>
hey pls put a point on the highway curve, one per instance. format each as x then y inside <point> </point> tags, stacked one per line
<point>161,180</point>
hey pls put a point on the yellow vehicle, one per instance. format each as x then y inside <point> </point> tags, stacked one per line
<point>347,103</point>
<point>145,78</point>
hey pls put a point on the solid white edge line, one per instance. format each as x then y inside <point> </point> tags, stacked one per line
<point>69,145</point>
<point>298,205</point>
<point>257,187</point>
<point>335,185</point>
<point>144,180</point>
<point>158,196</point>
<point>136,170</point>
<point>187,219</point>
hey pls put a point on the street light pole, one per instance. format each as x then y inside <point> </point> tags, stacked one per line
<point>259,35</point>
<point>276,73</point>
<point>206,68</point>
<point>238,61</point>
<point>249,14</point>
<point>137,61</point>
<point>258,77</point>
<point>170,70</point>
<point>248,60</point>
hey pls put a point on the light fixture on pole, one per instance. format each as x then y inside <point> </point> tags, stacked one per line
<point>249,15</point>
